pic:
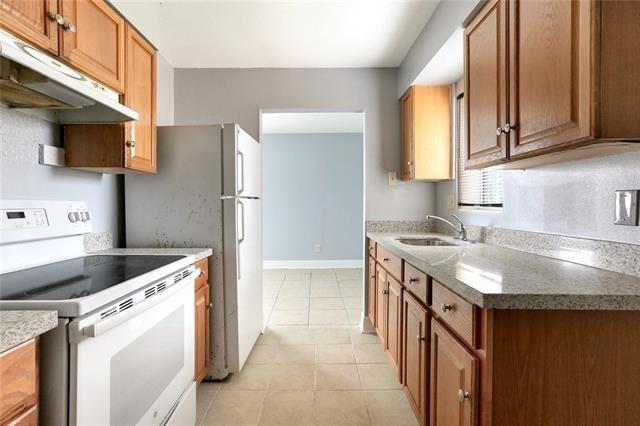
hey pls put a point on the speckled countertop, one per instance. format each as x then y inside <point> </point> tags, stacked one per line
<point>197,253</point>
<point>501,278</point>
<point>17,327</point>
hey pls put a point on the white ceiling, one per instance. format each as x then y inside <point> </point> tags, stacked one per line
<point>312,122</point>
<point>280,33</point>
<point>447,65</point>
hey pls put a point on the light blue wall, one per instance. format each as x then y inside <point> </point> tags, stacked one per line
<point>312,194</point>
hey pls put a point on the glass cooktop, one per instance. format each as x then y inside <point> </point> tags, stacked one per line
<point>79,277</point>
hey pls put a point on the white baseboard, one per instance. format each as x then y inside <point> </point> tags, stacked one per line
<point>312,264</point>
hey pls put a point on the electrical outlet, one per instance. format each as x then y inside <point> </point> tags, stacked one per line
<point>316,248</point>
<point>393,179</point>
<point>451,202</point>
<point>626,208</point>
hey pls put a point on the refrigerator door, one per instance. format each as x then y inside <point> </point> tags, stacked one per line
<point>243,277</point>
<point>242,163</point>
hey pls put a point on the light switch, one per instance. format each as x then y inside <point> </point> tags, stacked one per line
<point>393,179</point>
<point>626,208</point>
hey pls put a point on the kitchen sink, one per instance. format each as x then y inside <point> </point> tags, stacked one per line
<point>424,242</point>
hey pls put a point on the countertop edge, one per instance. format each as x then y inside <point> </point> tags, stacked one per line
<point>198,253</point>
<point>17,334</point>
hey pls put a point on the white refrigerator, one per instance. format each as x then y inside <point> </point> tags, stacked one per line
<point>206,193</point>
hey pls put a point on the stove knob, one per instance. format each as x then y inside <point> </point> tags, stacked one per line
<point>73,217</point>
<point>83,216</point>
<point>87,215</point>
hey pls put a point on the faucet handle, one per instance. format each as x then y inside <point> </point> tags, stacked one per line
<point>457,218</point>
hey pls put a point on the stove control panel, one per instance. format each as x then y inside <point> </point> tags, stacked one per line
<point>23,218</point>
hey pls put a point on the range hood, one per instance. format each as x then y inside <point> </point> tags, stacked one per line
<point>30,78</point>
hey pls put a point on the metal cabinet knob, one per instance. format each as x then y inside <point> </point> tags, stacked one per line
<point>446,307</point>
<point>68,26</point>
<point>419,338</point>
<point>508,127</point>
<point>56,17</point>
<point>385,291</point>
<point>210,306</point>
<point>499,131</point>
<point>385,259</point>
<point>462,395</point>
<point>413,280</point>
<point>131,144</point>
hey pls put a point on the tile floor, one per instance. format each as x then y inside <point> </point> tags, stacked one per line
<point>312,366</point>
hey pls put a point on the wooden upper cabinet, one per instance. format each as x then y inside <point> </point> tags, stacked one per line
<point>426,133</point>
<point>32,21</point>
<point>394,323</point>
<point>551,87</point>
<point>415,356</point>
<point>140,95</point>
<point>97,46</point>
<point>454,381</point>
<point>486,86</point>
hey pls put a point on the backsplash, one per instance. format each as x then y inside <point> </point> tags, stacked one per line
<point>21,177</point>
<point>400,226</point>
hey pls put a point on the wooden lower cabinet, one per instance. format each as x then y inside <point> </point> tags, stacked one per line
<point>454,380</point>
<point>19,384</point>
<point>415,356</point>
<point>371,292</point>
<point>202,314</point>
<point>393,339</point>
<point>382,294</point>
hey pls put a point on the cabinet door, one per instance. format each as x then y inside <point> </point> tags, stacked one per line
<point>407,113</point>
<point>382,293</point>
<point>394,324</point>
<point>454,398</point>
<point>202,332</point>
<point>32,21</point>
<point>140,95</point>
<point>486,86</point>
<point>551,82</point>
<point>371,294</point>
<point>415,355</point>
<point>97,44</point>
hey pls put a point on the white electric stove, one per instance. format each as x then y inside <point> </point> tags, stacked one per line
<point>123,351</point>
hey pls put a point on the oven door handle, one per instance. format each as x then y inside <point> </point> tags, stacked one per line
<point>100,327</point>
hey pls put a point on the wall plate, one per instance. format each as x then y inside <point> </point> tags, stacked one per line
<point>626,207</point>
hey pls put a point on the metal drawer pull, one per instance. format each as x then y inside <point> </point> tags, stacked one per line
<point>446,307</point>
<point>413,280</point>
<point>385,259</point>
<point>462,395</point>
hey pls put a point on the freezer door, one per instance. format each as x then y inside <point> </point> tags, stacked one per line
<point>242,165</point>
<point>243,277</point>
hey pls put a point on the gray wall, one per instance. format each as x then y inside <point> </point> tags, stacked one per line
<point>164,91</point>
<point>573,198</point>
<point>237,95</point>
<point>22,177</point>
<point>312,194</point>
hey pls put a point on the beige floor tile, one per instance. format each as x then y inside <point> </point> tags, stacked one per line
<point>294,292</point>
<point>296,354</point>
<point>369,353</point>
<point>205,394</point>
<point>335,354</point>
<point>378,377</point>
<point>350,283</point>
<point>325,292</point>
<point>355,316</point>
<point>293,377</point>
<point>335,317</point>
<point>325,284</point>
<point>272,284</point>
<point>289,317</point>
<point>332,336</point>
<point>296,284</point>
<point>269,337</point>
<point>355,275</point>
<point>321,303</point>
<point>296,275</point>
<point>353,302</point>
<point>251,377</point>
<point>338,408</point>
<point>263,354</point>
<point>291,304</point>
<point>348,291</point>
<point>235,408</point>
<point>358,336</point>
<point>389,407</point>
<point>324,278</point>
<point>288,408</point>
<point>336,377</point>
<point>297,336</point>
<point>270,293</point>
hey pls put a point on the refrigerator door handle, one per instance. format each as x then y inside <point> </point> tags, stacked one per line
<point>241,172</point>
<point>240,239</point>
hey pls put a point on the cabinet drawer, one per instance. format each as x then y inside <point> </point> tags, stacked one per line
<point>416,282</point>
<point>28,418</point>
<point>203,278</point>
<point>455,312</point>
<point>18,380</point>
<point>390,262</point>
<point>372,248</point>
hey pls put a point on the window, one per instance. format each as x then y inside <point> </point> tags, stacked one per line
<point>476,188</point>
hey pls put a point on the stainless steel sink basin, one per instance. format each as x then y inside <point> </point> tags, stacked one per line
<point>424,242</point>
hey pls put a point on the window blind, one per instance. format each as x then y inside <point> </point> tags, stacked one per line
<point>476,188</point>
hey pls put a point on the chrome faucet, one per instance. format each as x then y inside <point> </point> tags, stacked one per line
<point>462,232</point>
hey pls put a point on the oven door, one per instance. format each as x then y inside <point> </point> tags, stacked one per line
<point>133,367</point>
